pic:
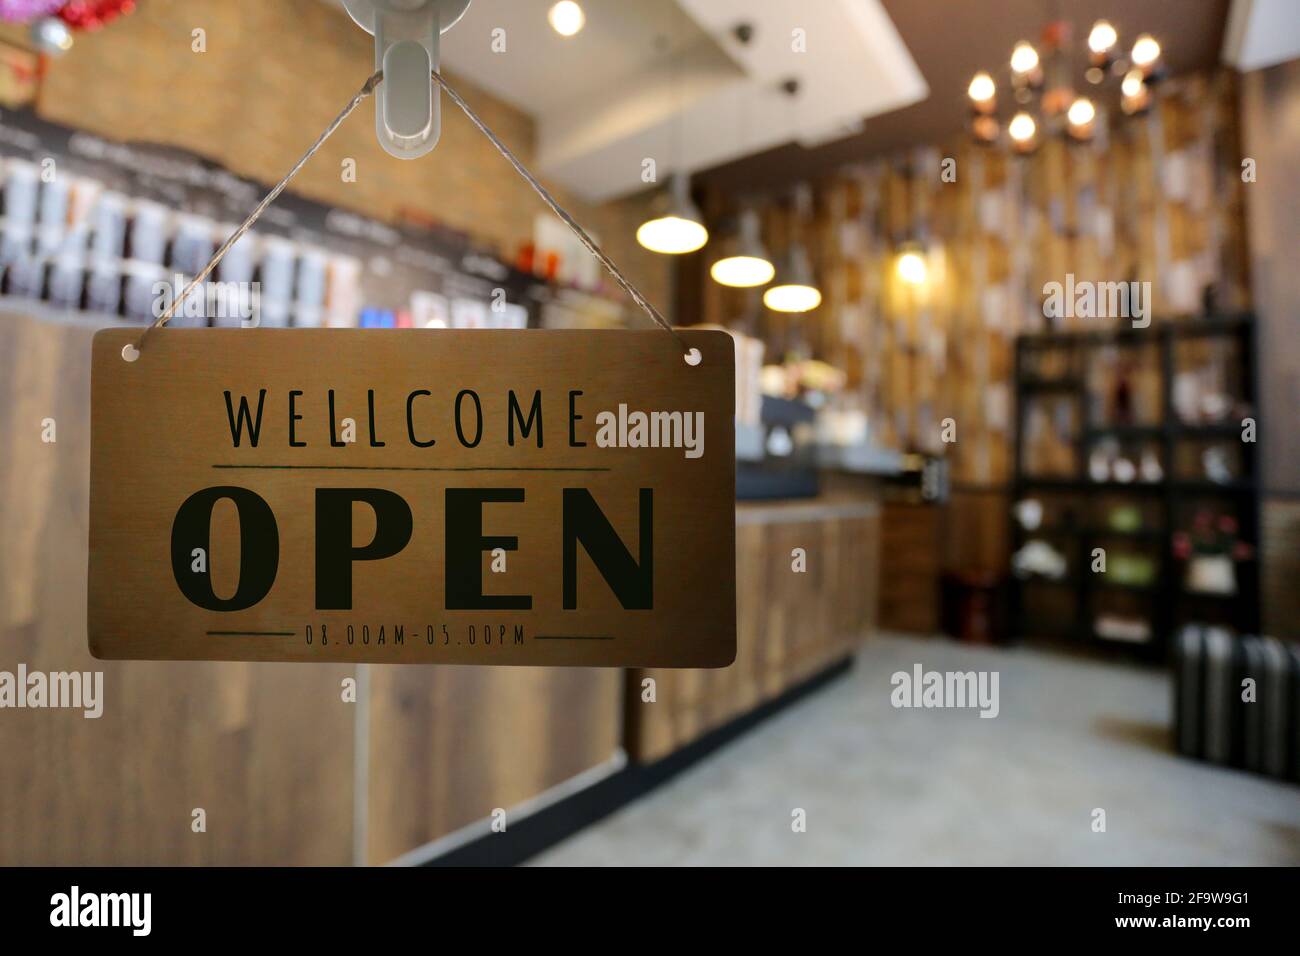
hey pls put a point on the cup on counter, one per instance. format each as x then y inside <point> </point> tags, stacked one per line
<point>309,291</point>
<point>342,292</point>
<point>147,290</point>
<point>192,244</point>
<point>67,272</point>
<point>275,278</point>
<point>55,197</point>
<point>108,228</point>
<point>21,195</point>
<point>232,294</point>
<point>146,232</point>
<point>103,289</point>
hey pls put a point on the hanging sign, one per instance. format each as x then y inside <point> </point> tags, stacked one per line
<point>413,496</point>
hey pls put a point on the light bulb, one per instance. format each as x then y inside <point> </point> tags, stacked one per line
<point>912,268</point>
<point>742,272</point>
<point>1081,112</point>
<point>672,235</point>
<point>1132,83</point>
<point>744,262</point>
<point>1024,58</point>
<point>1102,37</point>
<point>675,225</point>
<point>792,298</point>
<point>566,18</point>
<point>981,88</point>
<point>1022,128</point>
<point>52,35</point>
<point>1145,50</point>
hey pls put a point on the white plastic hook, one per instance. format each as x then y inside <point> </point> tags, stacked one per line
<point>407,107</point>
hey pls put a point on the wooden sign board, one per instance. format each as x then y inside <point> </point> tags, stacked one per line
<point>413,496</point>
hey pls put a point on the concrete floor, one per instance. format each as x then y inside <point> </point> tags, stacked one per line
<point>886,786</point>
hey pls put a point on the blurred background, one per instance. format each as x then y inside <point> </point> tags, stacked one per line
<point>1017,374</point>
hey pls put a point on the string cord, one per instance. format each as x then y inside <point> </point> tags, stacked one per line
<point>367,90</point>
<point>561,212</point>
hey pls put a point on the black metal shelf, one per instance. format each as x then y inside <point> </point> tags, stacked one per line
<point>1166,599</point>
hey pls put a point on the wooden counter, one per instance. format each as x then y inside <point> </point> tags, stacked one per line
<point>789,624</point>
<point>286,771</point>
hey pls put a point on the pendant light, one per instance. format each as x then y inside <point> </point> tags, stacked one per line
<point>794,289</point>
<point>1080,117</point>
<point>1023,132</point>
<point>745,263</point>
<point>676,226</point>
<point>912,267</point>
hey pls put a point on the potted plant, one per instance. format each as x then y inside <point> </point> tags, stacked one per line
<point>1211,550</point>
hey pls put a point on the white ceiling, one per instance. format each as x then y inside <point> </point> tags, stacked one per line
<point>667,80</point>
<point>1261,33</point>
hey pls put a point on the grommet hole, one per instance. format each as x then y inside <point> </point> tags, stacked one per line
<point>130,353</point>
<point>693,357</point>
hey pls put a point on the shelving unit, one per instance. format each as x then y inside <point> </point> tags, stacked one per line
<point>1167,601</point>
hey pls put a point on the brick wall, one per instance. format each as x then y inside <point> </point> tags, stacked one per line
<point>274,73</point>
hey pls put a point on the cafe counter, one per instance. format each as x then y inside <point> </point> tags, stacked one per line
<point>332,764</point>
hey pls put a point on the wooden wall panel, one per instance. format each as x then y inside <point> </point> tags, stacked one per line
<point>789,625</point>
<point>1270,105</point>
<point>911,549</point>
<point>1279,536</point>
<point>977,531</point>
<point>448,745</point>
<point>1158,199</point>
<point>264,749</point>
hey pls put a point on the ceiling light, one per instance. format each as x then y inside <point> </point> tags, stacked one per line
<point>566,18</point>
<point>672,235</point>
<point>982,91</point>
<point>1081,112</point>
<point>1102,37</point>
<point>742,272</point>
<point>792,298</point>
<point>1145,51</point>
<point>1024,58</point>
<point>981,88</point>
<point>1022,128</point>
<point>746,263</point>
<point>676,226</point>
<point>1132,84</point>
<point>912,268</point>
<point>794,290</point>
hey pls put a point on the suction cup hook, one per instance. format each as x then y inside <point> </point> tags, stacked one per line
<point>408,116</point>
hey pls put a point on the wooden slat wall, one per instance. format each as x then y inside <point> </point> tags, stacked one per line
<point>789,625</point>
<point>265,749</point>
<point>1158,199</point>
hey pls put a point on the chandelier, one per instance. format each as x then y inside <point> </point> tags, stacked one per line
<point>1040,86</point>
